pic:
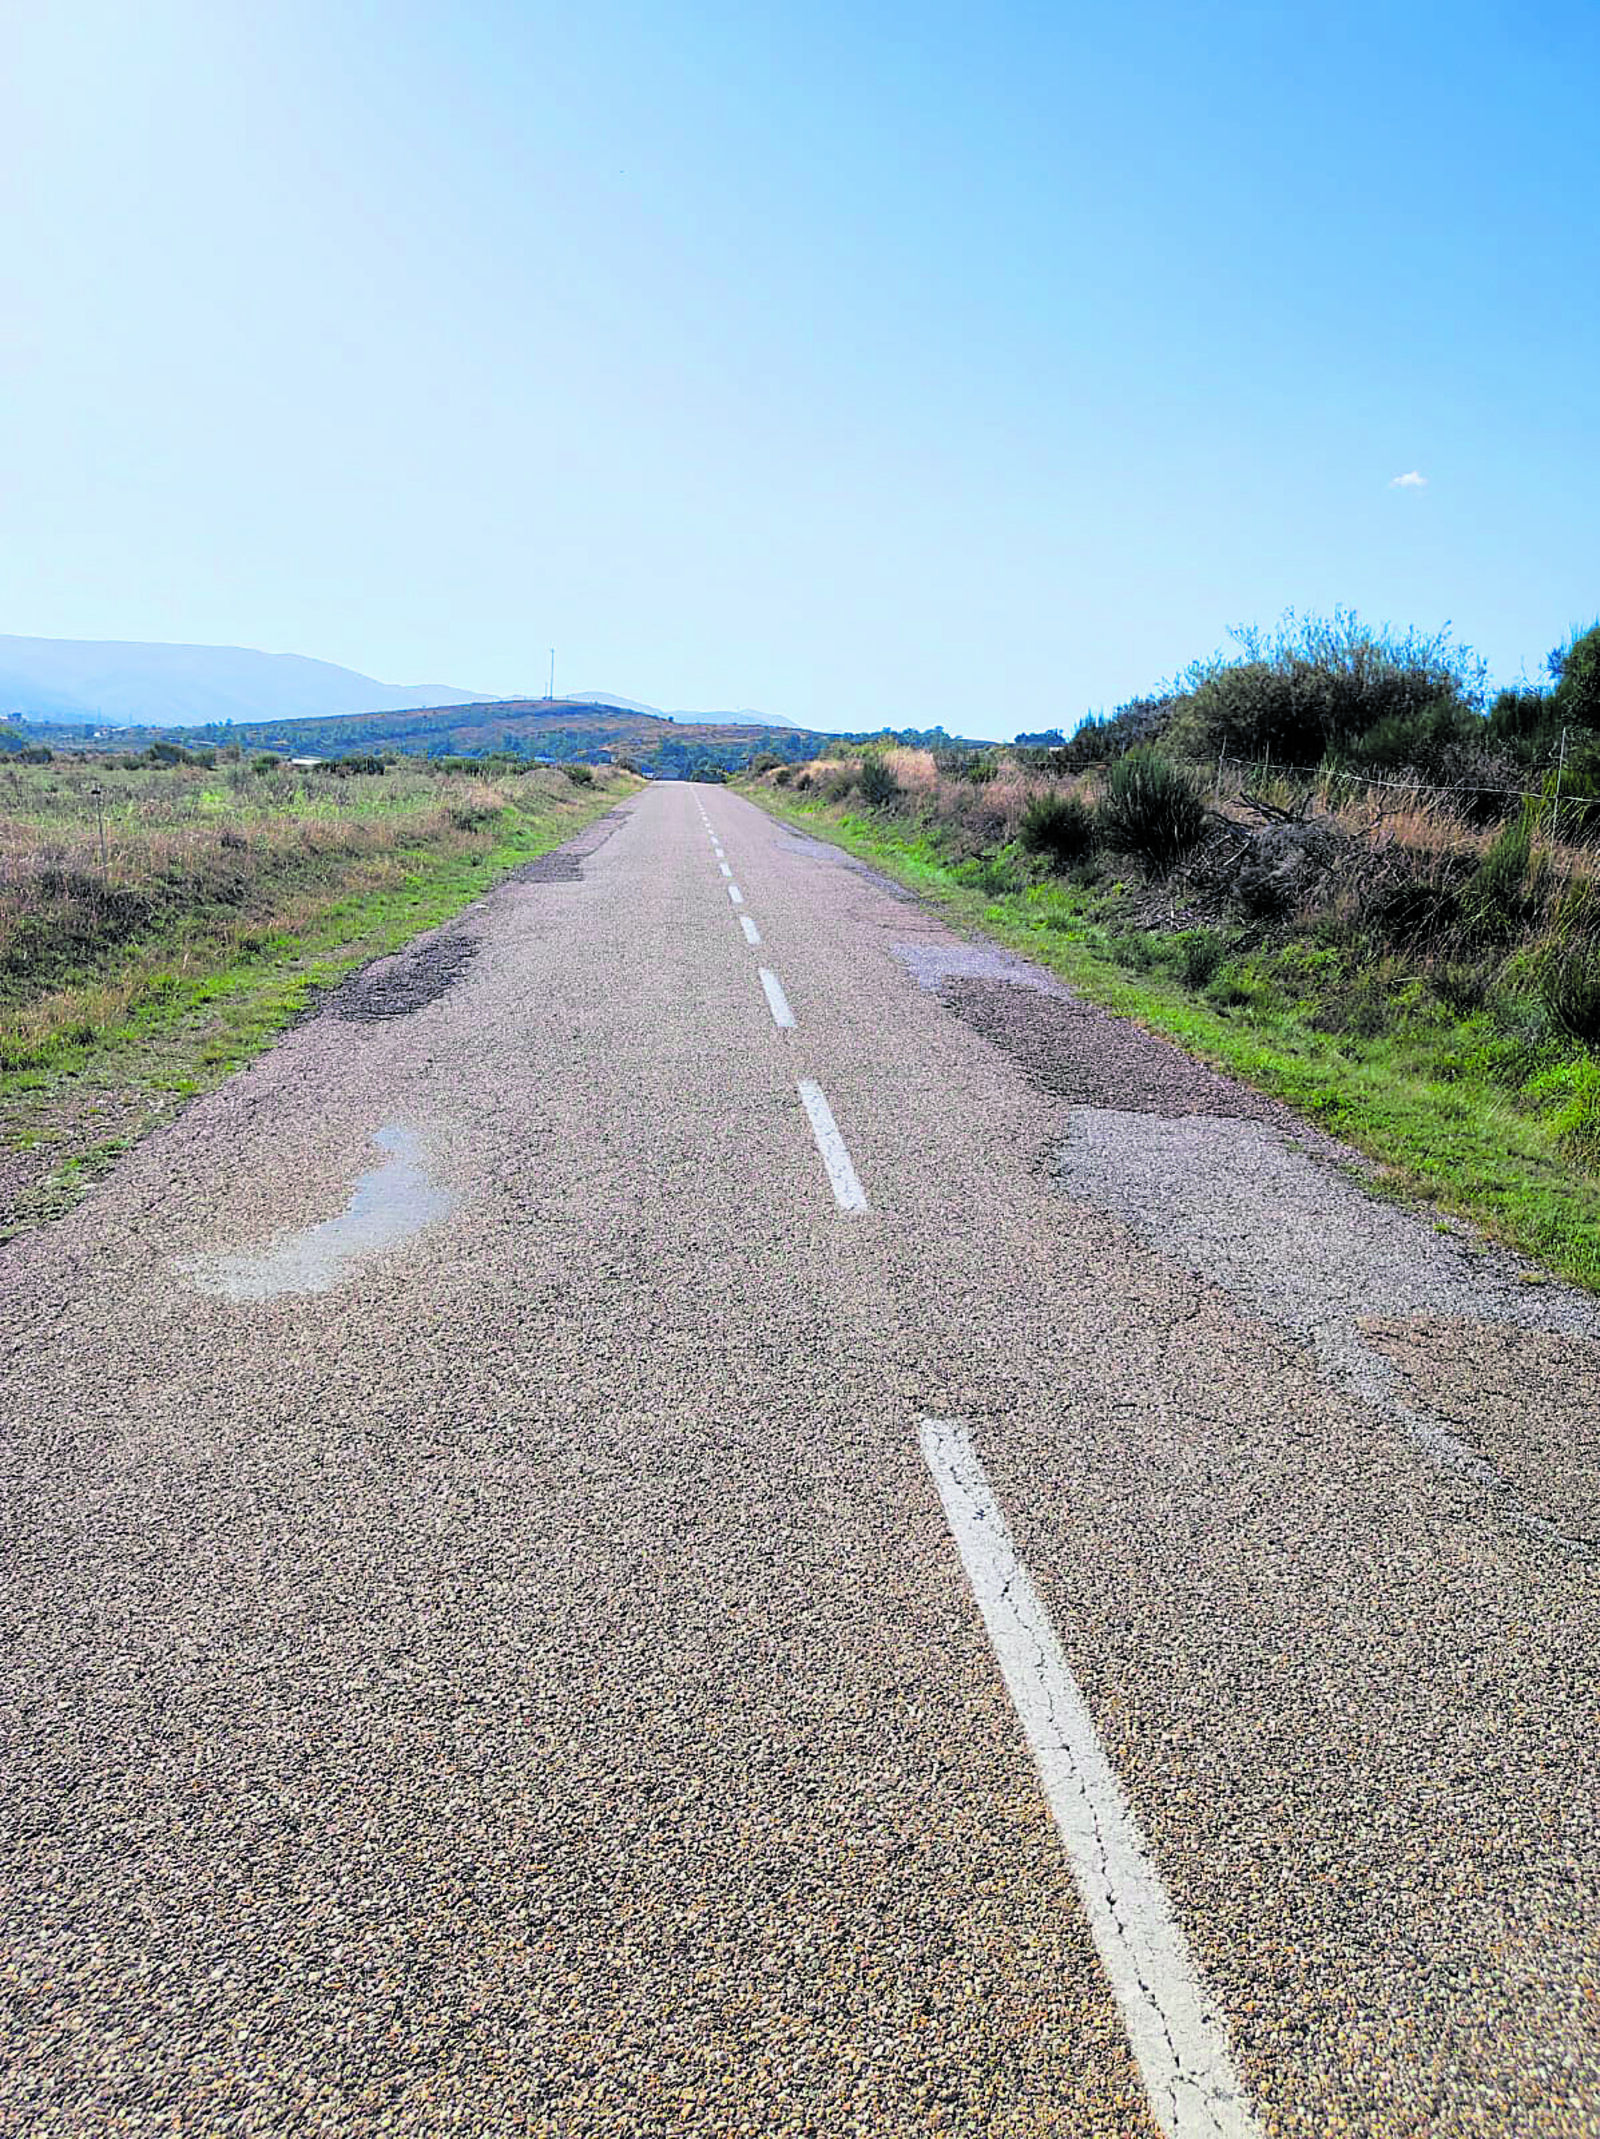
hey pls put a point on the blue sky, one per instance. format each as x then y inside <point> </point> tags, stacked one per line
<point>974,365</point>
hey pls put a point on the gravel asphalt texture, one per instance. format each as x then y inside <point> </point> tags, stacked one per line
<point>527,1686</point>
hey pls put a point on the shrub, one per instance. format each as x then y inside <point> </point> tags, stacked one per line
<point>765,761</point>
<point>265,761</point>
<point>1575,668</point>
<point>579,775</point>
<point>1199,956</point>
<point>1152,810</point>
<point>1568,972</point>
<point>1061,829</point>
<point>1321,685</point>
<point>880,790</point>
<point>1506,888</point>
<point>783,775</point>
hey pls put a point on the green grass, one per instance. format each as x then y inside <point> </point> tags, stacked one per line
<point>94,1059</point>
<point>1465,1113</point>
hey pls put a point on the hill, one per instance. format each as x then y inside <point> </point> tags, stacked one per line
<point>558,729</point>
<point>746,717</point>
<point>115,682</point>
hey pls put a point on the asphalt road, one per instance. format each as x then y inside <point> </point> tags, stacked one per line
<point>602,1543</point>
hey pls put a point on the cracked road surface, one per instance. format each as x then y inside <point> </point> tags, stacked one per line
<point>487,1652</point>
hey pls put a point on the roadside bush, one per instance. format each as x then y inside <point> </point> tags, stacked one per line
<point>783,775</point>
<point>1060,829</point>
<point>1575,669</point>
<point>1568,975</point>
<point>1319,686</point>
<point>579,775</point>
<point>1199,956</point>
<point>765,761</point>
<point>880,790</point>
<point>1152,810</point>
<point>1507,887</point>
<point>266,761</point>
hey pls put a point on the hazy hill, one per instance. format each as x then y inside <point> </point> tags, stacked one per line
<point>559,728</point>
<point>746,717</point>
<point>125,681</point>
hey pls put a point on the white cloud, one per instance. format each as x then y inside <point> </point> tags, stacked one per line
<point>1413,481</point>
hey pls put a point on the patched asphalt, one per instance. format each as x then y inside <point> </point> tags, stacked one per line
<point>528,1686</point>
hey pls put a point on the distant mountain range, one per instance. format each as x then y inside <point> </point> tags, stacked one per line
<point>129,682</point>
<point>126,683</point>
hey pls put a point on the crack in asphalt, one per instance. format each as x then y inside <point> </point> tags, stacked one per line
<point>1301,1247</point>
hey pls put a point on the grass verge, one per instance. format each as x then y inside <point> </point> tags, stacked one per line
<point>1426,1097</point>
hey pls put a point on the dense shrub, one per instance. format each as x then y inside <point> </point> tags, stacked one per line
<point>879,787</point>
<point>1152,810</point>
<point>1322,686</point>
<point>1199,956</point>
<point>1506,889</point>
<point>1575,670</point>
<point>579,775</point>
<point>765,761</point>
<point>1569,985</point>
<point>1060,829</point>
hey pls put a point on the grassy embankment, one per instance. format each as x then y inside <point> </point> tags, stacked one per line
<point>1442,1051</point>
<point>137,972</point>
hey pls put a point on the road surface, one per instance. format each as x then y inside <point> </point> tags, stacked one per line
<point>702,1509</point>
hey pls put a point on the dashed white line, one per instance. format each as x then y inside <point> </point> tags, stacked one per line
<point>724,868</point>
<point>736,894</point>
<point>777,1001</point>
<point>847,1189</point>
<point>751,933</point>
<point>1178,2038</point>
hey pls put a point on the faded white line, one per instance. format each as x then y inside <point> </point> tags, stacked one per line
<point>751,933</point>
<point>1177,2035</point>
<point>847,1189</point>
<point>736,894</point>
<point>777,1001</point>
<point>724,868</point>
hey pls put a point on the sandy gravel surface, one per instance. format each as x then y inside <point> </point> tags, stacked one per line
<point>528,1684</point>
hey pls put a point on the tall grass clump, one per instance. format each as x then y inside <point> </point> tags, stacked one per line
<point>1060,829</point>
<point>1507,888</point>
<point>1152,810</point>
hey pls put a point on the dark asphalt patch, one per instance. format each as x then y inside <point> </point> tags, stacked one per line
<point>410,980</point>
<point>1074,1051</point>
<point>565,864</point>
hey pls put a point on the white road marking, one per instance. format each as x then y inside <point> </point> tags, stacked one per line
<point>777,1001</point>
<point>736,894</point>
<point>751,933</point>
<point>1177,2035</point>
<point>724,868</point>
<point>847,1189</point>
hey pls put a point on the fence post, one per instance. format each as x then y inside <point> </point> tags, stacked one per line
<point>1561,767</point>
